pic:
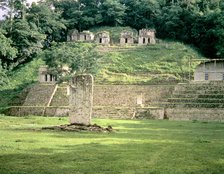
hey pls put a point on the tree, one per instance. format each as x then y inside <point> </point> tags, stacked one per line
<point>47,20</point>
<point>80,58</point>
<point>81,14</point>
<point>26,39</point>
<point>3,75</point>
<point>7,54</point>
<point>141,13</point>
<point>113,12</point>
<point>14,8</point>
<point>7,51</point>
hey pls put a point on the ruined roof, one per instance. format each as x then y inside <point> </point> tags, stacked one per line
<point>73,32</point>
<point>126,34</point>
<point>86,32</point>
<point>103,34</point>
<point>147,32</point>
<point>211,61</point>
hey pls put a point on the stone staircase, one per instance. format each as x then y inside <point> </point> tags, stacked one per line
<point>59,105</point>
<point>60,97</point>
<point>39,95</point>
<point>36,100</point>
<point>196,101</point>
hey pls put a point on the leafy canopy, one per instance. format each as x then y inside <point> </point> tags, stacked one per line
<point>80,58</point>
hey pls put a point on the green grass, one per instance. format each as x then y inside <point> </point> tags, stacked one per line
<point>139,146</point>
<point>165,62</point>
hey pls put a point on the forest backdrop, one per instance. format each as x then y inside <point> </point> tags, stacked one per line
<point>28,30</point>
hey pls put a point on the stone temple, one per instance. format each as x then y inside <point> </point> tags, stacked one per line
<point>45,76</point>
<point>212,70</point>
<point>86,36</point>
<point>146,36</point>
<point>73,35</point>
<point>126,38</point>
<point>103,38</point>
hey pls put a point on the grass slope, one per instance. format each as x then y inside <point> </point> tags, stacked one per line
<point>164,62</point>
<point>152,147</point>
<point>21,78</point>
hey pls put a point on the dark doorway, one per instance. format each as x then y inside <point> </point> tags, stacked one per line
<point>51,77</point>
<point>206,76</point>
<point>126,40</point>
<point>45,77</point>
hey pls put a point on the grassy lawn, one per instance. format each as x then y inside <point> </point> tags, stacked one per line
<point>140,146</point>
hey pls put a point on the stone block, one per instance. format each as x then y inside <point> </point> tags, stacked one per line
<point>81,99</point>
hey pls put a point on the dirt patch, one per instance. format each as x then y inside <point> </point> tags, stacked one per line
<point>80,127</point>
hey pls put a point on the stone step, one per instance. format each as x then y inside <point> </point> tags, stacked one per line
<point>212,96</point>
<point>203,114</point>
<point>60,98</point>
<point>195,105</point>
<point>195,100</point>
<point>199,87</point>
<point>39,95</point>
<point>202,92</point>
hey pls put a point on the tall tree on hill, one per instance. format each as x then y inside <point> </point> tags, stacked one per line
<point>14,8</point>
<point>7,55</point>
<point>7,51</point>
<point>47,20</point>
<point>75,58</point>
<point>113,12</point>
<point>141,13</point>
<point>27,40</point>
<point>81,14</point>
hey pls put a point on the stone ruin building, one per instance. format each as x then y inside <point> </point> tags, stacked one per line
<point>45,76</point>
<point>146,36</point>
<point>212,70</point>
<point>86,36</point>
<point>126,38</point>
<point>73,35</point>
<point>103,38</point>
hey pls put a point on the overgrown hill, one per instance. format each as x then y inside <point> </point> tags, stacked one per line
<point>20,80</point>
<point>163,63</point>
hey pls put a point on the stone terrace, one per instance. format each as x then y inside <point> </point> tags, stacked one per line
<point>197,101</point>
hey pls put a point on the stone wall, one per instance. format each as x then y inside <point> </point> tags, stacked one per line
<point>128,112</point>
<point>194,101</point>
<point>109,101</point>
<point>127,95</point>
<point>202,114</point>
<point>213,69</point>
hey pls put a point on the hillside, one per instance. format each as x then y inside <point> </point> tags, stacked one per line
<point>164,63</point>
<point>21,79</point>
